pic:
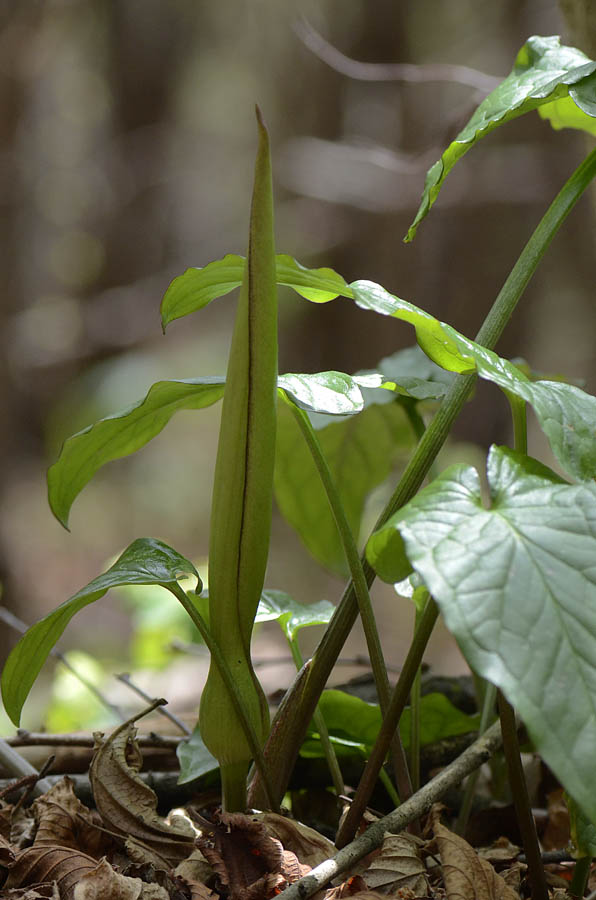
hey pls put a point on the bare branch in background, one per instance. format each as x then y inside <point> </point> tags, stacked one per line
<point>415,74</point>
<point>19,626</point>
<point>125,679</point>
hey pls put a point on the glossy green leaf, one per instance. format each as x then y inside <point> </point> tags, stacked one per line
<point>194,758</point>
<point>360,452</point>
<point>196,288</point>
<point>516,584</point>
<point>125,432</point>
<point>277,606</point>
<point>145,561</point>
<point>567,415</point>
<point>555,79</point>
<point>357,723</point>
<point>120,435</point>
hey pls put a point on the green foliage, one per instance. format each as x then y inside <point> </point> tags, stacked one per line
<point>558,81</point>
<point>514,579</point>
<point>145,561</point>
<point>516,588</point>
<point>354,724</point>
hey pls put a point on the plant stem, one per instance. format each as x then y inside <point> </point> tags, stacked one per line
<point>521,800</point>
<point>303,697</point>
<point>321,726</point>
<point>390,722</point>
<point>488,706</point>
<point>415,718</point>
<point>418,804</point>
<point>234,694</point>
<point>581,872</point>
<point>373,643</point>
<point>515,769</point>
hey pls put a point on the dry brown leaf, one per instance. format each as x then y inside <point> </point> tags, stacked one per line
<point>22,828</point>
<point>35,892</point>
<point>7,853</point>
<point>398,865</point>
<point>126,804</point>
<point>37,865</point>
<point>466,876</point>
<point>62,819</point>
<point>500,851</point>
<point>557,833</point>
<point>354,887</point>
<point>200,891</point>
<point>194,868</point>
<point>103,883</point>
<point>310,847</point>
<point>250,863</point>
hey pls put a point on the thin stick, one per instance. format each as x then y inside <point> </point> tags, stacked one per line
<point>21,627</point>
<point>418,804</point>
<point>362,71</point>
<point>16,765</point>
<point>124,677</point>
<point>41,739</point>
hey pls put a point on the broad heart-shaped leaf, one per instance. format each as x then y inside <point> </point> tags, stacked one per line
<point>125,432</point>
<point>195,288</point>
<point>145,561</point>
<point>516,584</point>
<point>356,723</point>
<point>567,415</point>
<point>556,80</point>
<point>277,606</point>
<point>360,452</point>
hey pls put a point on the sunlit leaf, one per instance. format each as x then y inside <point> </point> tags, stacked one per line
<point>277,606</point>
<point>567,415</point>
<point>516,584</point>
<point>145,561</point>
<point>555,79</point>
<point>125,432</point>
<point>197,287</point>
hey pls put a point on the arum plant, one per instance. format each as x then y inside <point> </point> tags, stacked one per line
<point>513,578</point>
<point>242,498</point>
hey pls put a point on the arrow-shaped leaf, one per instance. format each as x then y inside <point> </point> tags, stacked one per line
<point>566,414</point>
<point>557,80</point>
<point>197,287</point>
<point>126,432</point>
<point>145,561</point>
<point>277,606</point>
<point>516,584</point>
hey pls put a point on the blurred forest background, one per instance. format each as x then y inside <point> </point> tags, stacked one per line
<point>128,139</point>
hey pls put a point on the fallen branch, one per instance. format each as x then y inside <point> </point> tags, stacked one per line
<point>418,804</point>
<point>41,739</point>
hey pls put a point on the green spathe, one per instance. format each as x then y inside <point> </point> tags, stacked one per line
<point>242,498</point>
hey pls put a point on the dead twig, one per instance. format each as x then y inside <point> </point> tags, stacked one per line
<point>414,74</point>
<point>41,739</point>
